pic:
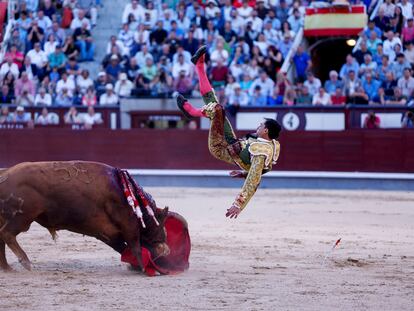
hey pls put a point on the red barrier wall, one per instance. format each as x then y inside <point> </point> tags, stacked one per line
<point>352,150</point>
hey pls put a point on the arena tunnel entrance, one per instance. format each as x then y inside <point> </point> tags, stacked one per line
<point>328,54</point>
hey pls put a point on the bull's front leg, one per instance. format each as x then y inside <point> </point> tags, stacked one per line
<point>3,261</point>
<point>135,246</point>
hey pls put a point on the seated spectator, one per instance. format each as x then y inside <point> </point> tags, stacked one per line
<point>50,46</point>
<point>390,43</point>
<point>84,42</point>
<point>133,8</point>
<point>42,98</point>
<point>383,69</point>
<point>47,118</point>
<point>359,97</point>
<point>10,82</point>
<point>72,116</point>
<point>371,28</point>
<point>406,122</point>
<point>5,116</point>
<point>123,87</point>
<point>368,66</point>
<point>89,98</point>
<point>70,49</point>
<point>39,59</point>
<point>24,85</point>
<point>83,82</point>
<point>109,97</point>
<point>388,7</point>
<point>321,98</point>
<point>406,83</point>
<point>379,99</point>
<point>72,68</point>
<point>312,83</point>
<point>408,32</point>
<point>159,34</point>
<point>372,121</point>
<point>333,83</point>
<point>181,52</point>
<point>7,67</point>
<point>25,99</point>
<point>57,59</point>
<point>20,116</point>
<point>257,98</point>
<point>17,41</point>
<point>360,53</point>
<point>149,71</point>
<point>91,118</point>
<point>183,84</point>
<point>162,83</point>
<point>397,99</point>
<point>219,53</point>
<point>389,84</point>
<point>399,66</point>
<point>114,42</point>
<point>338,98</point>
<point>382,21</point>
<point>285,45</point>
<point>370,85</point>
<point>143,55</point>
<point>100,83</point>
<point>64,98</point>
<point>181,65</point>
<point>276,98</point>
<point>67,84</point>
<point>218,74</point>
<point>57,32</point>
<point>6,97</point>
<point>289,99</point>
<point>409,53</point>
<point>16,56</point>
<point>35,34</point>
<point>113,69</point>
<point>141,39</point>
<point>379,53</point>
<point>237,99</point>
<point>373,42</point>
<point>132,69</point>
<point>80,21</point>
<point>266,85</point>
<point>304,98</point>
<point>90,9</point>
<point>350,64</point>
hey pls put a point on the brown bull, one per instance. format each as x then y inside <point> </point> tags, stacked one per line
<point>83,197</point>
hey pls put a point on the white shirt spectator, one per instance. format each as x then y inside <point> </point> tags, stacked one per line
<point>245,12</point>
<point>77,23</point>
<point>43,100</point>
<point>83,83</point>
<point>92,119</point>
<point>38,58</point>
<point>406,86</point>
<point>257,23</point>
<point>50,118</point>
<point>136,9</point>
<point>141,37</point>
<point>388,46</point>
<point>323,100</point>
<point>217,54</point>
<point>313,86</point>
<point>45,23</point>
<point>266,86</point>
<point>241,99</point>
<point>406,9</point>
<point>186,54</point>
<point>141,58</point>
<point>50,47</point>
<point>6,67</point>
<point>108,99</point>
<point>210,12</point>
<point>69,84</point>
<point>123,87</point>
<point>389,9</point>
<point>177,67</point>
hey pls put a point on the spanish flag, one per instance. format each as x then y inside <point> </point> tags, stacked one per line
<point>335,21</point>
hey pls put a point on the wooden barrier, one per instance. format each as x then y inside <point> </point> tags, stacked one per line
<point>352,150</point>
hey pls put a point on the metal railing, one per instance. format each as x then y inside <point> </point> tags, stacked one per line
<point>11,6</point>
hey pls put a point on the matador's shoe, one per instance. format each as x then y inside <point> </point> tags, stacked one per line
<point>181,100</point>
<point>200,52</point>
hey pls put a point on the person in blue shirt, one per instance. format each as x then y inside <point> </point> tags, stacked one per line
<point>302,62</point>
<point>257,99</point>
<point>333,83</point>
<point>370,85</point>
<point>350,65</point>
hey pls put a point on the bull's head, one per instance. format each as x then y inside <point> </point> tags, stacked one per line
<point>154,237</point>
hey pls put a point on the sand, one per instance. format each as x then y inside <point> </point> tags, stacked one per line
<point>271,258</point>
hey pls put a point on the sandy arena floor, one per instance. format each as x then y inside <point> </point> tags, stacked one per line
<point>271,258</point>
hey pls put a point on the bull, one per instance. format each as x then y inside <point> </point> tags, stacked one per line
<point>83,197</point>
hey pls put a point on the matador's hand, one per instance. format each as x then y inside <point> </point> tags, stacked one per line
<point>233,211</point>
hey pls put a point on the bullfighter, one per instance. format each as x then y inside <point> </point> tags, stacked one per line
<point>254,154</point>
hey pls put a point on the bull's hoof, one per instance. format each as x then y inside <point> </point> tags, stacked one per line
<point>6,268</point>
<point>26,264</point>
<point>200,52</point>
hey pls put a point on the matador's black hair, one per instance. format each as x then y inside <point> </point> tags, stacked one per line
<point>273,128</point>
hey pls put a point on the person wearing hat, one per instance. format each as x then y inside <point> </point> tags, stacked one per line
<point>20,116</point>
<point>109,97</point>
<point>255,154</point>
<point>114,68</point>
<point>123,87</point>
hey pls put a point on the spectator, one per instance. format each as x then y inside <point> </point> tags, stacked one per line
<point>47,118</point>
<point>390,43</point>
<point>406,122</point>
<point>135,9</point>
<point>359,54</point>
<point>266,85</point>
<point>5,116</point>
<point>312,83</point>
<point>276,98</point>
<point>350,64</point>
<point>113,69</point>
<point>302,63</point>
<point>23,85</point>
<point>397,99</point>
<point>181,65</point>
<point>389,84</point>
<point>383,69</point>
<point>57,32</point>
<point>64,98</point>
<point>388,7</point>
<point>16,56</point>
<point>237,99</point>
<point>158,35</point>
<point>382,21</point>
<point>43,98</point>
<point>408,32</point>
<point>370,85</point>
<point>7,67</point>
<point>20,116</point>
<point>379,99</point>
<point>38,58</point>
<point>83,82</point>
<point>89,98</point>
<point>100,83</point>
<point>163,83</point>
<point>35,34</point>
<point>123,87</point>
<point>289,99</point>
<point>143,55</point>
<point>257,98</point>
<point>368,66</point>
<point>50,46</point>
<point>109,98</point>
<point>57,59</point>
<point>373,42</point>
<point>333,83</point>
<point>70,49</point>
<point>285,44</point>
<point>372,28</point>
<point>372,121</point>
<point>67,84</point>
<point>399,66</point>
<point>183,84</point>
<point>321,98</point>
<point>359,97</point>
<point>407,9</point>
<point>149,73</point>
<point>84,42</point>
<point>338,97</point>
<point>304,98</point>
<point>6,97</point>
<point>219,74</point>
<point>72,116</point>
<point>409,53</point>
<point>80,21</point>
<point>219,53</point>
<point>72,68</point>
<point>91,118</point>
<point>406,83</point>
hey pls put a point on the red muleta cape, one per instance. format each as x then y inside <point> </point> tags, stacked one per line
<point>178,240</point>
